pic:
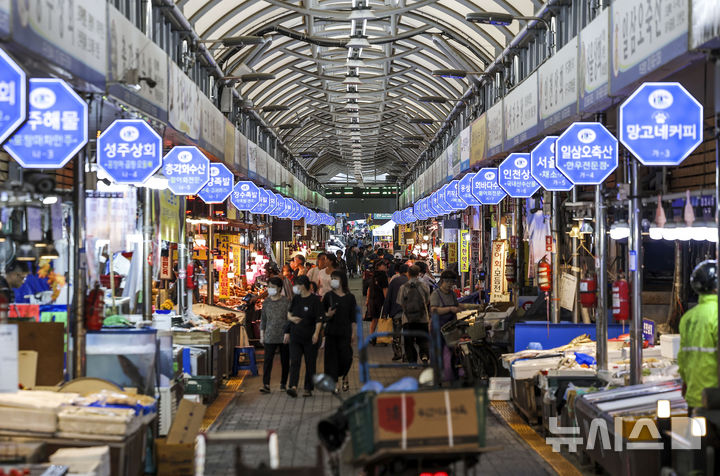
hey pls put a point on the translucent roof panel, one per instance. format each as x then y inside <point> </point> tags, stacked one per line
<point>354,84</point>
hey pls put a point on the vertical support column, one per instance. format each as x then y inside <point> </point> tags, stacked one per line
<point>517,229</point>
<point>459,251</point>
<point>147,248</point>
<point>717,174</point>
<point>78,283</point>
<point>182,258</point>
<point>575,267</point>
<point>635,261</point>
<point>601,318</point>
<point>555,303</point>
<point>210,264</point>
<point>481,243</point>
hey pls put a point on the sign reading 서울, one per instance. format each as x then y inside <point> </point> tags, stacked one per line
<point>187,170</point>
<point>220,185</point>
<point>661,123</point>
<point>55,129</point>
<point>542,167</point>
<point>13,95</point>
<point>129,151</point>
<point>515,178</point>
<point>245,195</point>
<point>586,153</point>
<point>485,187</point>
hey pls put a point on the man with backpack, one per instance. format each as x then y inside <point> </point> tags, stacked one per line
<point>393,309</point>
<point>414,297</point>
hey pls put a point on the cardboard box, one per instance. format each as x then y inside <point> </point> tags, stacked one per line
<point>187,423</point>
<point>430,418</point>
<point>175,460</point>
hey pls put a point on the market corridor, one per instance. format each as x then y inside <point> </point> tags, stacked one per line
<point>295,421</point>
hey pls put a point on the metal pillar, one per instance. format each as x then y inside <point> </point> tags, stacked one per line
<point>182,259</point>
<point>555,303</point>
<point>147,249</point>
<point>601,318</point>
<point>575,268</point>
<point>210,264</point>
<point>517,230</point>
<point>635,260</point>
<point>79,283</point>
<point>717,176</point>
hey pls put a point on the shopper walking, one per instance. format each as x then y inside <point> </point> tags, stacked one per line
<point>303,334</point>
<point>376,293</point>
<point>273,320</point>
<point>323,277</point>
<point>320,264</point>
<point>341,263</point>
<point>351,258</point>
<point>340,310</point>
<point>393,309</point>
<point>414,297</point>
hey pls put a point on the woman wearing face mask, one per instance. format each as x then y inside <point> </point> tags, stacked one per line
<point>340,307</point>
<point>273,319</point>
<point>303,333</point>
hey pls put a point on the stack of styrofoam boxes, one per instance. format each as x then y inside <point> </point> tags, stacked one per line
<point>88,461</point>
<point>670,345</point>
<point>499,388</point>
<point>167,406</point>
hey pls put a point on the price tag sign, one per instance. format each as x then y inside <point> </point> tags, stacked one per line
<point>187,170</point>
<point>515,177</point>
<point>129,151</point>
<point>485,187</point>
<point>542,167</point>
<point>220,185</point>
<point>586,153</point>
<point>661,123</point>
<point>245,195</point>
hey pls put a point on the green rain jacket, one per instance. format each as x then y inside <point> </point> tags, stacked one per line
<point>697,357</point>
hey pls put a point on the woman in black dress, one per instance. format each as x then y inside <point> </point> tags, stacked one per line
<point>340,310</point>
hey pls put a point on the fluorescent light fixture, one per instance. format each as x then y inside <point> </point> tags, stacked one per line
<point>362,14</point>
<point>49,252</point>
<point>663,408</point>
<point>250,77</point>
<point>51,200</point>
<point>656,232</point>
<point>243,40</point>
<point>357,42</point>
<point>670,232</point>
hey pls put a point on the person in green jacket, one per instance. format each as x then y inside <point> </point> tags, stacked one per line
<point>697,358</point>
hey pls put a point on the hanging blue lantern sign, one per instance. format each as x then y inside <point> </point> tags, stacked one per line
<point>296,212</point>
<point>129,151</point>
<point>263,203</point>
<point>408,216</point>
<point>465,191</point>
<point>245,195</point>
<point>586,153</point>
<point>279,206</point>
<point>186,169</point>
<point>485,187</point>
<point>13,95</point>
<point>452,196</point>
<point>56,127</point>
<point>443,201</point>
<point>661,123</point>
<point>515,178</point>
<point>272,204</point>
<point>220,185</point>
<point>542,167</point>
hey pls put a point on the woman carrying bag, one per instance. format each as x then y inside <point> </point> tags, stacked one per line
<point>340,308</point>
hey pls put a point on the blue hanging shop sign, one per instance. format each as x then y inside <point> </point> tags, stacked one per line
<point>515,178</point>
<point>485,187</point>
<point>542,167</point>
<point>465,190</point>
<point>586,153</point>
<point>129,151</point>
<point>453,197</point>
<point>187,170</point>
<point>263,203</point>
<point>13,95</point>
<point>220,185</point>
<point>245,195</point>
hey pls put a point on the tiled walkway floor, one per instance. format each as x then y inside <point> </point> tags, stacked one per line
<point>295,421</point>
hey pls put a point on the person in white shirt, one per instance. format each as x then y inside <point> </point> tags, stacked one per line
<point>321,263</point>
<point>323,281</point>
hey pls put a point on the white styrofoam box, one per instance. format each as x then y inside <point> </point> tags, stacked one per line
<point>524,369</point>
<point>502,394</point>
<point>500,383</point>
<point>670,345</point>
<point>92,460</point>
<point>167,407</point>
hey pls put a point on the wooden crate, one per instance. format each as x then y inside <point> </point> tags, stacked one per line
<point>196,337</point>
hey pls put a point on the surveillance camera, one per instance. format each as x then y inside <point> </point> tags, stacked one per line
<point>149,81</point>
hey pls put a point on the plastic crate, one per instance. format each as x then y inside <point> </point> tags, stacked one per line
<point>200,385</point>
<point>359,411</point>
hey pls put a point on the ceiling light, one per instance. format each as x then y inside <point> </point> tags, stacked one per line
<point>25,252</point>
<point>433,99</point>
<point>362,14</point>
<point>50,200</point>
<point>357,42</point>
<point>619,231</point>
<point>243,40</point>
<point>275,108</point>
<point>355,80</point>
<point>355,63</point>
<point>49,252</point>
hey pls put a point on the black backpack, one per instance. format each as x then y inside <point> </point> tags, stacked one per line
<point>414,305</point>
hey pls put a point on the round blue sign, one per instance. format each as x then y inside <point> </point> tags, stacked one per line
<point>220,185</point>
<point>485,187</point>
<point>187,170</point>
<point>515,178</point>
<point>56,127</point>
<point>13,95</point>
<point>245,195</point>
<point>542,167</point>
<point>586,153</point>
<point>661,123</point>
<point>129,151</point>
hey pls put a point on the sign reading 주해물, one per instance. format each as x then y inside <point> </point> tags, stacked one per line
<point>542,167</point>
<point>56,127</point>
<point>661,123</point>
<point>485,187</point>
<point>129,151</point>
<point>220,185</point>
<point>586,153</point>
<point>245,195</point>
<point>186,169</point>
<point>13,95</point>
<point>515,178</point>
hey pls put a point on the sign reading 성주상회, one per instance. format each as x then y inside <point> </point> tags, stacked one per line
<point>129,151</point>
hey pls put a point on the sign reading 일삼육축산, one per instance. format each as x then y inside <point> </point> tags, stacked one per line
<point>587,153</point>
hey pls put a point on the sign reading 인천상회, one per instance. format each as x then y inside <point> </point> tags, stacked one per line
<point>186,169</point>
<point>542,167</point>
<point>485,187</point>
<point>245,195</point>
<point>220,185</point>
<point>13,95</point>
<point>56,127</point>
<point>515,178</point>
<point>586,153</point>
<point>661,123</point>
<point>129,151</point>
